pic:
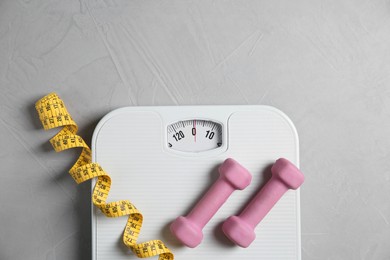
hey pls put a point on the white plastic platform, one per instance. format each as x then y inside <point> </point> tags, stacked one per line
<point>131,145</point>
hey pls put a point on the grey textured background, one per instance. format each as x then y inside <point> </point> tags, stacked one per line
<point>324,63</point>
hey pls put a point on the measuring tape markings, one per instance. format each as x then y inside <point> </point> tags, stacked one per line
<point>53,113</point>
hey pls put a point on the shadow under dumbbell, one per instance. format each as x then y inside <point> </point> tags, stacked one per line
<point>221,238</point>
<point>168,238</point>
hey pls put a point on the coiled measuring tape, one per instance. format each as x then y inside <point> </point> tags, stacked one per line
<point>53,113</point>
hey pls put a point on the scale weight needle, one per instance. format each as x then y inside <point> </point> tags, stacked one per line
<point>194,130</point>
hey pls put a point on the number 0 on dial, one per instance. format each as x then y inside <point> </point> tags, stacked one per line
<point>195,135</point>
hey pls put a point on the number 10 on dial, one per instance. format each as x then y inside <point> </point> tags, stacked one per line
<point>195,135</point>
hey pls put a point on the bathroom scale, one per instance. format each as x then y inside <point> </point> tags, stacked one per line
<point>164,158</point>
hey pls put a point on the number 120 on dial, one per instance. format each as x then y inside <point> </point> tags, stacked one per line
<point>195,135</point>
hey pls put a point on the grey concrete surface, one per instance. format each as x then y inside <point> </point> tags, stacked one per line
<point>325,64</point>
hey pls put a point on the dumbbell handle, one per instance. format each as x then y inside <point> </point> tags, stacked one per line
<point>209,204</point>
<point>263,202</point>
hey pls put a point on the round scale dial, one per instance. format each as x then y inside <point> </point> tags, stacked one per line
<point>195,135</point>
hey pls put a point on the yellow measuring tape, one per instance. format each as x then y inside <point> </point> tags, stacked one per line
<point>53,113</point>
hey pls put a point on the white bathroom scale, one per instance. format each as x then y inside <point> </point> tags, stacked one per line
<point>163,159</point>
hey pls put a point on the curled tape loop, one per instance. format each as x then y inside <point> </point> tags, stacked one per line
<point>53,113</point>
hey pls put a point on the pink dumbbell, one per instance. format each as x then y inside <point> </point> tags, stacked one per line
<point>232,176</point>
<point>240,229</point>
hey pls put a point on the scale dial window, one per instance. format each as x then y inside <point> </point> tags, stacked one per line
<point>194,135</point>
